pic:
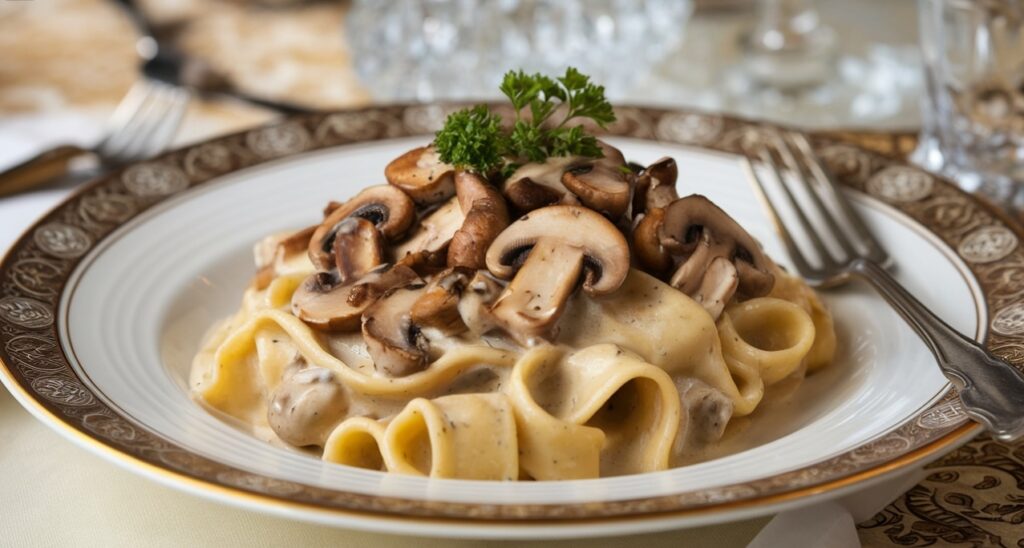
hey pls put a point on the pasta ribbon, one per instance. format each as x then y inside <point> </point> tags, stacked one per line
<point>552,448</point>
<point>765,338</point>
<point>467,436</point>
<point>231,383</point>
<point>359,442</point>
<point>793,289</point>
<point>633,404</point>
<point>664,327</point>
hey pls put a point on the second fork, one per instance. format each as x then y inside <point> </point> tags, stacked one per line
<point>142,125</point>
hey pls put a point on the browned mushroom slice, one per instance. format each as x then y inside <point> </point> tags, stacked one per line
<point>647,248</point>
<point>422,175</point>
<point>546,253</point>
<point>434,232</point>
<point>323,302</point>
<point>603,184</point>
<point>538,184</point>
<point>438,307</point>
<point>569,180</point>
<point>477,298</point>
<point>486,217</point>
<point>717,286</point>
<point>699,233</point>
<point>306,406</point>
<point>396,344</point>
<point>358,248</point>
<point>389,209</point>
<point>274,251</point>
<point>655,186</point>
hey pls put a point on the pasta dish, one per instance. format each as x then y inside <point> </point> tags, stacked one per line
<point>566,318</point>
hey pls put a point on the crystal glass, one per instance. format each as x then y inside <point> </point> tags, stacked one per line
<point>452,49</point>
<point>973,127</point>
<point>790,47</point>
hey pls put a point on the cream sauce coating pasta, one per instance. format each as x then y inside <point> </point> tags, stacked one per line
<point>635,381</point>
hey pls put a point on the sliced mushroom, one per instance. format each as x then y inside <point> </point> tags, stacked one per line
<point>486,217</point>
<point>477,298</point>
<point>396,344</point>
<point>546,253</point>
<point>306,406</point>
<point>647,248</point>
<point>273,252</point>
<point>698,233</point>
<point>603,184</point>
<point>717,287</point>
<point>599,183</point>
<point>422,175</point>
<point>389,209</point>
<point>434,232</point>
<point>654,190</point>
<point>438,307</point>
<point>656,186</point>
<point>539,184</point>
<point>358,248</point>
<point>323,302</point>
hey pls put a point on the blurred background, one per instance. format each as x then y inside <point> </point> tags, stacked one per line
<point>75,59</point>
<point>951,69</point>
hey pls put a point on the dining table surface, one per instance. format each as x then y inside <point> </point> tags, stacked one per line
<point>64,64</point>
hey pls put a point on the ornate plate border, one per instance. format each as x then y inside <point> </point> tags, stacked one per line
<point>34,273</point>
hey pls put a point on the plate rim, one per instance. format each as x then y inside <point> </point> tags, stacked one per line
<point>905,188</point>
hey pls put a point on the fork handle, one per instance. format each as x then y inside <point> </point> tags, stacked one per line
<point>991,390</point>
<point>38,170</point>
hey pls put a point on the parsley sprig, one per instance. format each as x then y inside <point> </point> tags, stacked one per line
<point>475,139</point>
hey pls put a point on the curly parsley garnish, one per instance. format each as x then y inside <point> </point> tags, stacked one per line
<point>475,139</point>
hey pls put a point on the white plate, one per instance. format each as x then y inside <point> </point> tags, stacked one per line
<point>106,300</point>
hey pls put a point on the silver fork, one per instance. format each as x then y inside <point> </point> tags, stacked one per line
<point>141,126</point>
<point>991,390</point>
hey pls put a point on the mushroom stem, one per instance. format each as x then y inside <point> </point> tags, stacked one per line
<point>531,305</point>
<point>358,248</point>
<point>717,287</point>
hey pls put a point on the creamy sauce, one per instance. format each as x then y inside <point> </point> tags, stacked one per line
<point>637,381</point>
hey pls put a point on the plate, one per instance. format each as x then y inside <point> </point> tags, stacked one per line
<point>104,300</point>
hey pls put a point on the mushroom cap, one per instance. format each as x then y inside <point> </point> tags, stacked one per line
<point>324,303</point>
<point>694,223</point>
<point>647,248</point>
<point>438,306</point>
<point>422,175</point>
<point>486,217</point>
<point>600,185</point>
<point>306,406</point>
<point>538,184</point>
<point>388,208</point>
<point>656,186</point>
<point>606,253</point>
<point>395,343</point>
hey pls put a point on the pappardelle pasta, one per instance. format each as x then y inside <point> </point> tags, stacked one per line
<point>410,363</point>
<point>570,318</point>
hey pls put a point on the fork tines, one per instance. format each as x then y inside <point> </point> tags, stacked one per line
<point>821,231</point>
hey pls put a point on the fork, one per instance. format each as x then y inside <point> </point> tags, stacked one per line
<point>141,126</point>
<point>991,390</point>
